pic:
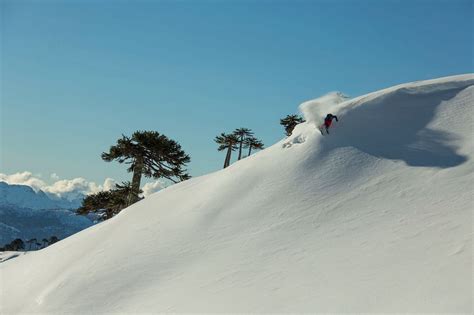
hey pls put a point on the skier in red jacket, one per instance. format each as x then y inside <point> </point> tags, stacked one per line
<point>328,121</point>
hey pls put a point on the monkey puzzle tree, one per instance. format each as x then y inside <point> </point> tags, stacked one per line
<point>94,202</point>
<point>107,204</point>
<point>242,134</point>
<point>53,239</point>
<point>150,154</point>
<point>227,142</point>
<point>15,245</point>
<point>253,143</point>
<point>121,196</point>
<point>290,122</point>
<point>31,242</point>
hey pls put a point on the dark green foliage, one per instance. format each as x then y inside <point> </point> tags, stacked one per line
<point>94,202</point>
<point>107,204</point>
<point>15,245</point>
<point>227,142</point>
<point>121,197</point>
<point>240,138</point>
<point>242,134</point>
<point>253,143</point>
<point>31,242</point>
<point>150,154</point>
<point>53,239</point>
<point>18,244</point>
<point>290,122</point>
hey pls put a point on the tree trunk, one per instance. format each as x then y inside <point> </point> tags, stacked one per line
<point>137,176</point>
<point>240,147</point>
<point>227,157</point>
<point>250,150</point>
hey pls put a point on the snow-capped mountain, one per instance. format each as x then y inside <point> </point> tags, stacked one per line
<point>24,223</point>
<point>375,217</point>
<point>23,196</point>
<point>27,214</point>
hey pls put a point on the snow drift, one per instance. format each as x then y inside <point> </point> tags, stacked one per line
<point>314,111</point>
<point>375,217</point>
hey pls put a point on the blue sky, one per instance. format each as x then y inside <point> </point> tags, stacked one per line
<point>78,74</point>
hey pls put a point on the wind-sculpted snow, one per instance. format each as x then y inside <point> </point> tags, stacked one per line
<point>375,217</point>
<point>314,111</point>
<point>396,126</point>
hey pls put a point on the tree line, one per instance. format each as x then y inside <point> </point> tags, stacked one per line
<point>241,138</point>
<point>153,155</point>
<point>32,244</point>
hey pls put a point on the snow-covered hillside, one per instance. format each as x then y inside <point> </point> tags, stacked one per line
<point>375,217</point>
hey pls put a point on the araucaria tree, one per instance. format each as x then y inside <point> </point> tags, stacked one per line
<point>242,134</point>
<point>227,142</point>
<point>150,154</point>
<point>253,143</point>
<point>290,122</point>
<point>106,204</point>
<point>31,242</point>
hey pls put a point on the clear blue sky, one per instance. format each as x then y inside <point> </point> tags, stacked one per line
<point>78,74</point>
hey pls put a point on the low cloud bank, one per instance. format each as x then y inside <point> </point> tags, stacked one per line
<point>150,188</point>
<point>70,189</point>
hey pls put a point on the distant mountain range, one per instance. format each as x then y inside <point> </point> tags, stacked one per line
<point>26,213</point>
<point>25,197</point>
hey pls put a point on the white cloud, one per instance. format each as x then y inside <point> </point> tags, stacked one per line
<point>71,188</point>
<point>23,178</point>
<point>65,188</point>
<point>150,188</point>
<point>109,184</point>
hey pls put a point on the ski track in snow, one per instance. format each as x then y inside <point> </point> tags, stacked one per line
<point>375,217</point>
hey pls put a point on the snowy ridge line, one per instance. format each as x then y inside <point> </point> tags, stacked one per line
<point>375,218</point>
<point>315,110</point>
<point>426,86</point>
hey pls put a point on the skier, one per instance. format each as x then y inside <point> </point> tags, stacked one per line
<point>328,121</point>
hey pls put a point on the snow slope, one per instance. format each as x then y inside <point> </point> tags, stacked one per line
<point>4,256</point>
<point>375,217</point>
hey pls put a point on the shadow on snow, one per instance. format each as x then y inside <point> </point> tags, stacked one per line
<point>395,127</point>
